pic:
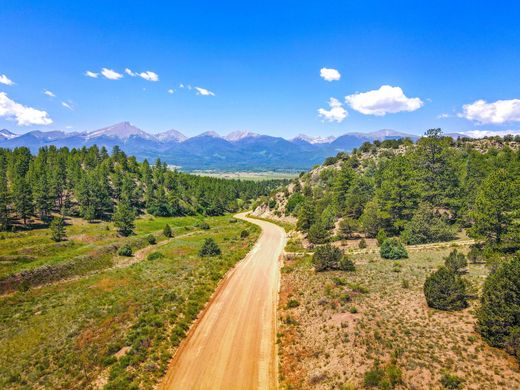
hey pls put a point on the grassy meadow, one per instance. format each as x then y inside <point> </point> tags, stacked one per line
<point>118,324</point>
<point>344,330</point>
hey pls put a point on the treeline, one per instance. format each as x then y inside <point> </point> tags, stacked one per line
<point>422,192</point>
<point>93,184</point>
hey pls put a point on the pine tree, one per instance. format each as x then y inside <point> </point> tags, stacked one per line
<point>124,217</point>
<point>57,227</point>
<point>167,231</point>
<point>496,205</point>
<point>5,197</point>
<point>23,201</point>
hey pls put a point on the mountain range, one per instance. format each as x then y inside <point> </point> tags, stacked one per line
<point>237,151</point>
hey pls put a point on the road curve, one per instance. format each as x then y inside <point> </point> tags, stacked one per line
<point>232,346</point>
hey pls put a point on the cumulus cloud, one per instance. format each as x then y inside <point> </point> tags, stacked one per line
<point>5,80</point>
<point>336,113</point>
<point>382,101</point>
<point>23,115</point>
<point>48,93</point>
<point>148,75</point>
<point>203,91</point>
<point>489,133</point>
<point>89,73</point>
<point>498,112</point>
<point>129,72</point>
<point>329,74</point>
<point>67,105</point>
<point>111,74</point>
<point>171,90</point>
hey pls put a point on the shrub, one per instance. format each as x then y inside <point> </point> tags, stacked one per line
<point>292,303</point>
<point>125,250</point>
<point>327,257</point>
<point>272,203</point>
<point>499,313</point>
<point>209,248</point>
<point>151,239</point>
<point>346,264</point>
<point>155,256</point>
<point>202,225</point>
<point>456,261</point>
<point>347,227</point>
<point>167,231</point>
<point>362,244</point>
<point>475,254</point>
<point>387,377</point>
<point>451,381</point>
<point>244,233</point>
<point>57,227</point>
<point>445,290</point>
<point>293,202</point>
<point>393,249</point>
<point>318,234</point>
<point>426,226</point>
<point>381,236</point>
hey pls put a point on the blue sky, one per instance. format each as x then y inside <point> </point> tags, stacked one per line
<point>262,61</point>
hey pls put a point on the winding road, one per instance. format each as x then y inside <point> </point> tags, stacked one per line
<point>232,346</point>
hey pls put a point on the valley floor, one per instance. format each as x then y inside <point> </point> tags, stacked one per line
<point>334,327</point>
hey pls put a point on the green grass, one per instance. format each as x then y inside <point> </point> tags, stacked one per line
<point>67,335</point>
<point>23,251</point>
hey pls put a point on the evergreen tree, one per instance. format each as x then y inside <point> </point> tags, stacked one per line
<point>5,197</point>
<point>496,206</point>
<point>23,201</point>
<point>123,218</point>
<point>445,290</point>
<point>397,194</point>
<point>499,313</point>
<point>57,227</point>
<point>167,231</point>
<point>209,248</point>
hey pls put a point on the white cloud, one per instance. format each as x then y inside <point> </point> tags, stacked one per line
<point>498,112</point>
<point>89,73</point>
<point>111,74</point>
<point>443,116</point>
<point>489,133</point>
<point>336,113</point>
<point>23,115</point>
<point>148,75</point>
<point>67,105</point>
<point>5,80</point>
<point>171,90</point>
<point>382,101</point>
<point>203,91</point>
<point>329,74</point>
<point>48,93</point>
<point>129,72</point>
<point>181,85</point>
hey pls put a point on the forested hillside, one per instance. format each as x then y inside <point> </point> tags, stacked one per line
<point>94,185</point>
<point>403,197</point>
<point>422,192</point>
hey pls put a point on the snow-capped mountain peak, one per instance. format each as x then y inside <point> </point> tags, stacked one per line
<point>6,134</point>
<point>238,135</point>
<point>315,140</point>
<point>123,131</point>
<point>171,135</point>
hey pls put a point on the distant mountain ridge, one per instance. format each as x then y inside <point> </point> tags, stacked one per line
<point>239,150</point>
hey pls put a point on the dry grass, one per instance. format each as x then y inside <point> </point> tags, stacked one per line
<point>338,332</point>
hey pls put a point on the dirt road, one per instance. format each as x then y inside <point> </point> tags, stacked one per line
<point>233,344</point>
